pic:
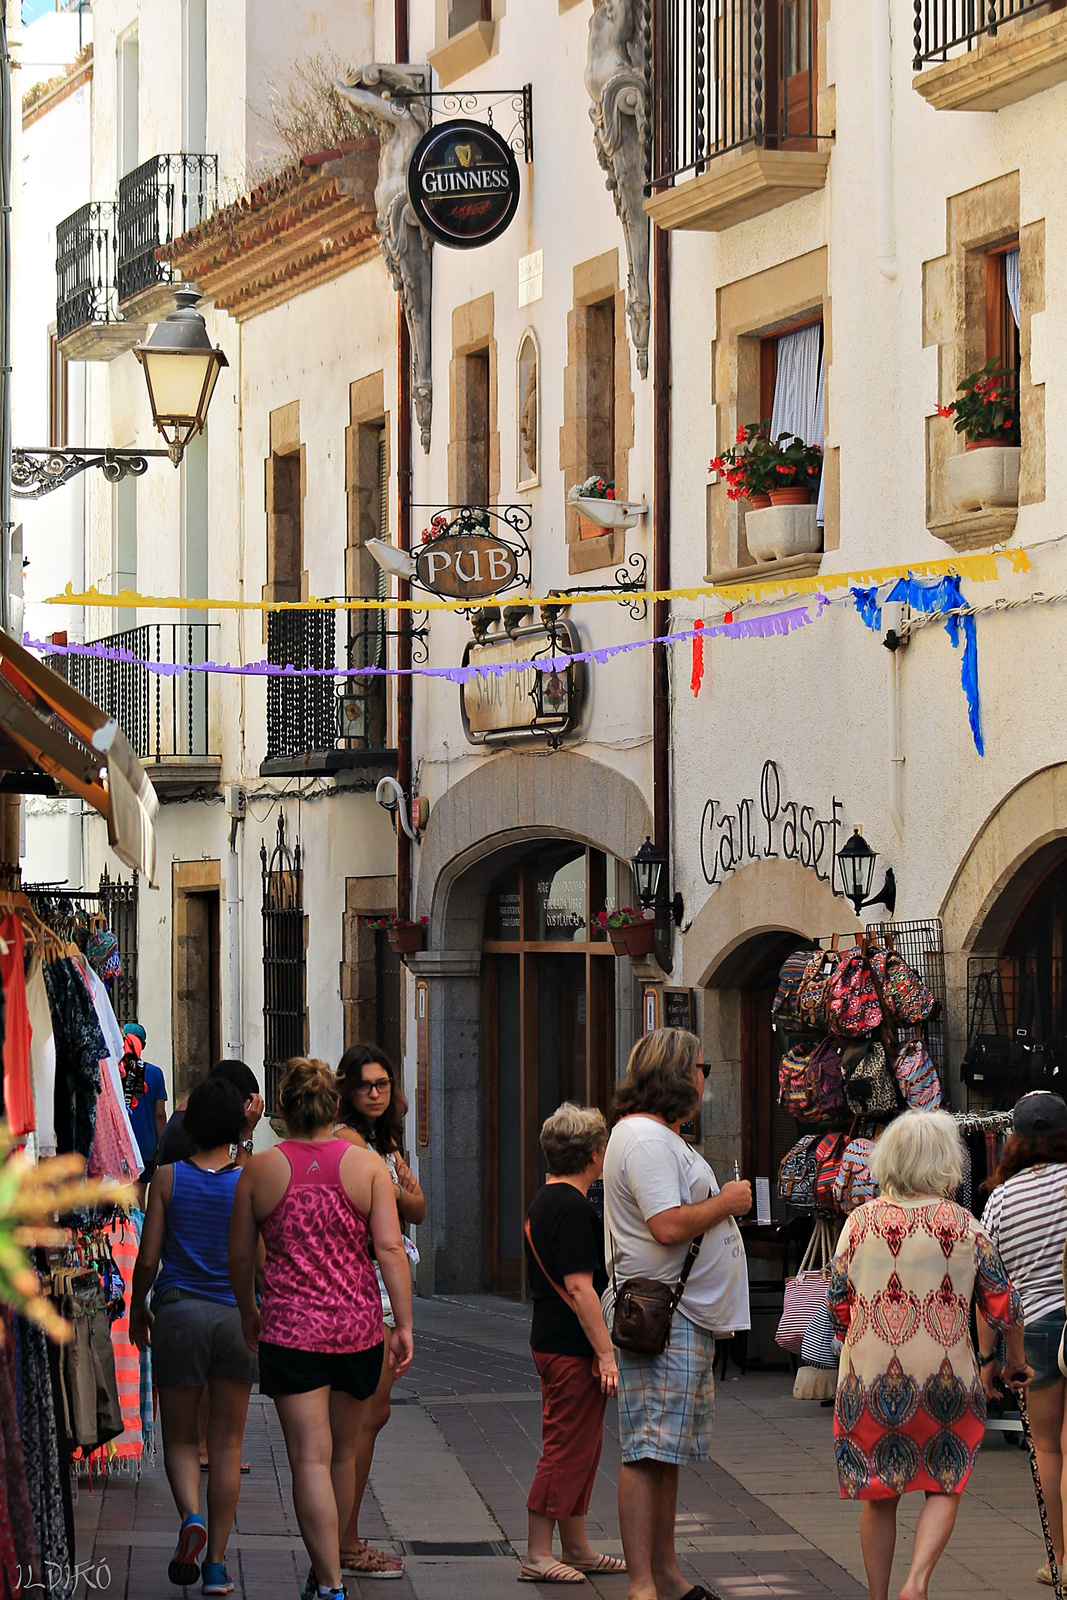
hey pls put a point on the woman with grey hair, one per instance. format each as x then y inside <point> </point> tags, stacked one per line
<point>571,1348</point>
<point>910,1408</point>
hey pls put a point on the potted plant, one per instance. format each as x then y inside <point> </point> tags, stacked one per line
<point>404,936</point>
<point>777,477</point>
<point>747,465</point>
<point>794,476</point>
<point>598,508</point>
<point>986,412</point>
<point>631,932</point>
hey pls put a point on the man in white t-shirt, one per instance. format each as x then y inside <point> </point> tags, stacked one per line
<point>660,1195</point>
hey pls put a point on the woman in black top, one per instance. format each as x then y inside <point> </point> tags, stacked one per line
<point>571,1347</point>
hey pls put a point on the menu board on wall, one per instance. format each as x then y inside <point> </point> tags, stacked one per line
<point>680,1009</point>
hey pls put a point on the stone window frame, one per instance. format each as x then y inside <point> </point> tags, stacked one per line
<point>473,333</point>
<point>749,311</point>
<point>978,222</point>
<point>358,982</point>
<point>190,880</point>
<point>453,56</point>
<point>284,444</point>
<point>595,283</point>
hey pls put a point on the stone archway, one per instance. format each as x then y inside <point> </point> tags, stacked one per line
<point>478,828</point>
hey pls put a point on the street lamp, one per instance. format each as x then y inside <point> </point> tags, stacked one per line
<point>181,367</point>
<point>648,866</point>
<point>855,872</point>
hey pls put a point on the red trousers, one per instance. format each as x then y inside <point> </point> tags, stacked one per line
<point>572,1436</point>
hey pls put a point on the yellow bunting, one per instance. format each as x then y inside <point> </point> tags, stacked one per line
<point>980,568</point>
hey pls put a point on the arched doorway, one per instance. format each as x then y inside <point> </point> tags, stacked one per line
<point>548,1034</point>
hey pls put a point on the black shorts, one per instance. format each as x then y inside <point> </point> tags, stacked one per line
<point>283,1371</point>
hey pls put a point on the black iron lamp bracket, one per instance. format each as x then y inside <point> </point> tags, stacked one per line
<point>495,105</point>
<point>886,896</point>
<point>630,580</point>
<point>36,472</point>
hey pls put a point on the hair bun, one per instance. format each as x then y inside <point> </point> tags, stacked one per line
<point>308,1098</point>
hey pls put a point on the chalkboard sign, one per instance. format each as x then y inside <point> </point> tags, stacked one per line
<point>679,1009</point>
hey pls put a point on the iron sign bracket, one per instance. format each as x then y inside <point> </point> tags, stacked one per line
<point>488,103</point>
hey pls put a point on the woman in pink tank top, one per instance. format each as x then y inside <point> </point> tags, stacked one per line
<point>317,1202</point>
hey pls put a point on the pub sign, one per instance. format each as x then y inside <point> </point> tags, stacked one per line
<point>463,183</point>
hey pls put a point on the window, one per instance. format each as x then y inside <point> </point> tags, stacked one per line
<point>285,506</point>
<point>474,435</point>
<point>465,13</point>
<point>792,384</point>
<point>124,546</point>
<point>363,703</point>
<point>598,405</point>
<point>1003,295</point>
<point>57,393</point>
<point>194,75</point>
<point>127,122</point>
<point>474,444</point>
<point>600,387</point>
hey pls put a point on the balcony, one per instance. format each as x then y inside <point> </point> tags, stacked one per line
<point>89,325</point>
<point>158,202</point>
<point>327,726</point>
<point>981,55</point>
<point>164,716</point>
<point>738,132</point>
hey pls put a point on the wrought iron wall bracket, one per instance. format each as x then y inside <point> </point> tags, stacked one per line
<point>38,471</point>
<point>518,103</point>
<point>629,580</point>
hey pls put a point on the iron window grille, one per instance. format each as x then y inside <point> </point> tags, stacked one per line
<point>324,713</point>
<point>85,268</point>
<point>159,201</point>
<point>947,27</point>
<point>284,960</point>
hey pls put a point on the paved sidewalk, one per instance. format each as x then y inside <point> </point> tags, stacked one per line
<point>448,1490</point>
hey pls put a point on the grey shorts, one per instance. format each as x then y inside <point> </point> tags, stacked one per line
<point>194,1340</point>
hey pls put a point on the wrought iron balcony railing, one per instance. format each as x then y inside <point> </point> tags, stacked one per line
<point>305,715</point>
<point>728,73</point>
<point>85,268</point>
<point>158,202</point>
<point>946,27</point>
<point>164,716</point>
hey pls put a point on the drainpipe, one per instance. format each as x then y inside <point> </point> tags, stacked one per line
<point>882,86</point>
<point>661,565</point>
<point>403,538</point>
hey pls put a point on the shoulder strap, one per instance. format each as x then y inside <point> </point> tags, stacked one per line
<point>687,1267</point>
<point>564,1296</point>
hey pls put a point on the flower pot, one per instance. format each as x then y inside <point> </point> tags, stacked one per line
<point>635,940</point>
<point>979,480</point>
<point>590,530</point>
<point>406,937</point>
<point>758,502</point>
<point>987,444</point>
<point>607,513</point>
<point>780,531</point>
<point>794,495</point>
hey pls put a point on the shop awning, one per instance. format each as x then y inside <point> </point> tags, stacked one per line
<point>49,730</point>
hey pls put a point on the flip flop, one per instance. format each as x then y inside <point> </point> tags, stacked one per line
<point>601,1564</point>
<point>558,1572</point>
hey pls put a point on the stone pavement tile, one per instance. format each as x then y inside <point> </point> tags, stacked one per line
<point>422,1489</point>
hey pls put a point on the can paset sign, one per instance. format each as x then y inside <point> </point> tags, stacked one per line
<point>463,183</point>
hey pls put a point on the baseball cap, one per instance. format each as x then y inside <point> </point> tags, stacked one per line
<point>1039,1112</point>
<point>135,1027</point>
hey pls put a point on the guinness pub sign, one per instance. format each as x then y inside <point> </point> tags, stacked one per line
<point>463,183</point>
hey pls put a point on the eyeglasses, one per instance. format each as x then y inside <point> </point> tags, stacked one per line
<point>376,1086</point>
<point>705,1069</point>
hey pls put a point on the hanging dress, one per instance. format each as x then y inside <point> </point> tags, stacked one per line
<point>42,1062</point>
<point>18,1091</point>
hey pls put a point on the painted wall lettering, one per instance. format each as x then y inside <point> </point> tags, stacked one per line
<point>772,826</point>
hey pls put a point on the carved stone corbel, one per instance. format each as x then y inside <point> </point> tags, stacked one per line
<point>406,248</point>
<point>619,114</point>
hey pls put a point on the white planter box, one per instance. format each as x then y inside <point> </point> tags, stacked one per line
<point>609,513</point>
<point>775,532</point>
<point>981,479</point>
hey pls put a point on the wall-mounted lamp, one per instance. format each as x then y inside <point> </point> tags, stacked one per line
<point>396,562</point>
<point>855,874</point>
<point>649,865</point>
<point>391,797</point>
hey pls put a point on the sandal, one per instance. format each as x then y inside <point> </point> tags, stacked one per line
<point>368,1562</point>
<point>602,1564</point>
<point>555,1572</point>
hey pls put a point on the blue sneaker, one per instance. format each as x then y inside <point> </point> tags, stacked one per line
<point>184,1568</point>
<point>216,1579</point>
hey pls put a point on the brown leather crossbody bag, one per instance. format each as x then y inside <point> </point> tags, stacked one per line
<point>644,1307</point>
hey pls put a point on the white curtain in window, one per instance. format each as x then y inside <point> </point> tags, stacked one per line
<point>799,386</point>
<point>1012,281</point>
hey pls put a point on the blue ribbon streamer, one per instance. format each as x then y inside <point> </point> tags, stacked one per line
<point>935,594</point>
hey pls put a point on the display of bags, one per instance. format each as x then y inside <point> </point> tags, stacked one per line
<point>810,1083</point>
<point>904,995</point>
<point>796,1175</point>
<point>854,1184</point>
<point>805,1292</point>
<point>870,1088</point>
<point>784,1010</point>
<point>853,1007</point>
<point>828,1153</point>
<point>917,1076</point>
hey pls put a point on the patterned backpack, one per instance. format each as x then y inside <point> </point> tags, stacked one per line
<point>796,1175</point>
<point>870,1088</point>
<point>784,1012</point>
<point>810,1085</point>
<point>853,1007</point>
<point>813,994</point>
<point>828,1153</point>
<point>904,995</point>
<point>917,1076</point>
<point>854,1184</point>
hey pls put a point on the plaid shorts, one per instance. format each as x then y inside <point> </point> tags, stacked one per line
<point>667,1402</point>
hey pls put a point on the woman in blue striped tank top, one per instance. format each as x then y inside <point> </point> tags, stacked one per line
<point>194,1330</point>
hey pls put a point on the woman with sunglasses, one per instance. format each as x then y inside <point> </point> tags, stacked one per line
<point>373,1108</point>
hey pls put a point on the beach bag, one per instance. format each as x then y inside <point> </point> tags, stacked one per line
<point>796,1175</point>
<point>853,1007</point>
<point>804,1293</point>
<point>904,995</point>
<point>820,1347</point>
<point>854,1185</point>
<point>785,1012</point>
<point>828,1154</point>
<point>917,1076</point>
<point>870,1088</point>
<point>813,995</point>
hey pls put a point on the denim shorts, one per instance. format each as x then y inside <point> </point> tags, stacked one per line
<point>1042,1343</point>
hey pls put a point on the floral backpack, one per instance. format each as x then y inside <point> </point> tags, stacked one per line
<point>853,1007</point>
<point>796,1175</point>
<point>854,1184</point>
<point>904,995</point>
<point>784,1011</point>
<point>917,1076</point>
<point>810,1085</point>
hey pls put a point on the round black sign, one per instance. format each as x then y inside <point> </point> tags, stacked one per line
<point>463,183</point>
